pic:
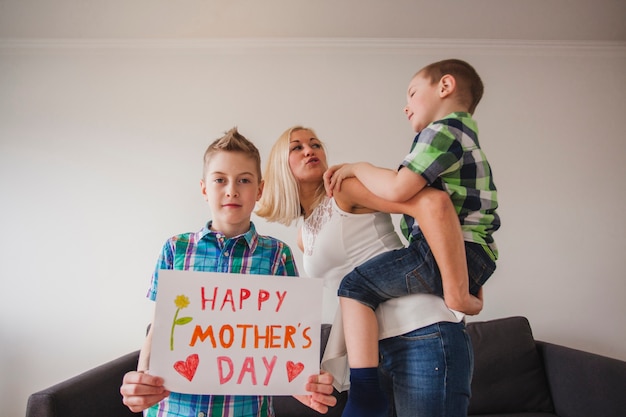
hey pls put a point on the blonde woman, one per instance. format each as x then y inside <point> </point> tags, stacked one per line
<point>339,233</point>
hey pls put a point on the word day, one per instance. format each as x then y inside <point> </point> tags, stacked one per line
<point>226,369</point>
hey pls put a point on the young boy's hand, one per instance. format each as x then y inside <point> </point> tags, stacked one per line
<point>335,175</point>
<point>140,390</point>
<point>321,389</point>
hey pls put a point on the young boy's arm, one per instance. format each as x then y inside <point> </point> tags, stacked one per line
<point>396,186</point>
<point>139,389</point>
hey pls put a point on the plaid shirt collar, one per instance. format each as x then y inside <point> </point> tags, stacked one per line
<point>250,237</point>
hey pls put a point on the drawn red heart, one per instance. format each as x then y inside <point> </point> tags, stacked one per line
<point>188,367</point>
<point>294,369</point>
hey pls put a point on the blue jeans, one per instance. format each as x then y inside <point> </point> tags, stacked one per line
<point>410,270</point>
<point>427,372</point>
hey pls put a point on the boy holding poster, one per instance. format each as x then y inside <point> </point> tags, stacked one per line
<point>231,184</point>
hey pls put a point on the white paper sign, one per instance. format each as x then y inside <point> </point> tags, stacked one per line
<point>236,334</point>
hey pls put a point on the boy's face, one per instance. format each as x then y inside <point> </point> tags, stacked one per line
<point>231,187</point>
<point>422,102</point>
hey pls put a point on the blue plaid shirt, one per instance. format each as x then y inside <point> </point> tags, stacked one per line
<point>208,251</point>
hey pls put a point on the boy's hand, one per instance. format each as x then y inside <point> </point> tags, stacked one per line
<point>335,175</point>
<point>321,389</point>
<point>140,390</point>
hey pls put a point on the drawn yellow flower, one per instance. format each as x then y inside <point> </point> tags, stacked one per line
<point>181,301</point>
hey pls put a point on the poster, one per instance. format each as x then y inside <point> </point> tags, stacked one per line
<point>236,334</point>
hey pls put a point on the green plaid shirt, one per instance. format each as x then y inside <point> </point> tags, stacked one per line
<point>447,154</point>
<point>208,251</point>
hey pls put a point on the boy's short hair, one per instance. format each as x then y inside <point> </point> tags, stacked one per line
<point>469,85</point>
<point>233,141</point>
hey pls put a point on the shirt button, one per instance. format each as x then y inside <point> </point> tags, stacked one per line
<point>226,253</point>
<point>201,414</point>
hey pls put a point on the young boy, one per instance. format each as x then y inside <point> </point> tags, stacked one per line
<point>231,184</point>
<point>446,155</point>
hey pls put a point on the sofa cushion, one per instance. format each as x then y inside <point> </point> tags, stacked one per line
<point>508,373</point>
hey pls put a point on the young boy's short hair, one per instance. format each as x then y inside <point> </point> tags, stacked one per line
<point>233,141</point>
<point>469,85</point>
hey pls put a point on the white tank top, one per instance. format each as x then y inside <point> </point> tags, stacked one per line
<point>335,242</point>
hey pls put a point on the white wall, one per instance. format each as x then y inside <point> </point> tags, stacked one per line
<point>100,159</point>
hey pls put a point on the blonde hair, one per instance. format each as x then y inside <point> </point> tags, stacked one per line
<point>280,201</point>
<point>233,141</point>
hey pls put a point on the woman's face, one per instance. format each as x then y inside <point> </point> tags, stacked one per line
<point>307,158</point>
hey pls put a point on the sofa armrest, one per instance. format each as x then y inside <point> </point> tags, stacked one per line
<point>95,392</point>
<point>584,384</point>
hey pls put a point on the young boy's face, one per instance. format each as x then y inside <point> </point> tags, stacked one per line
<point>422,102</point>
<point>231,187</point>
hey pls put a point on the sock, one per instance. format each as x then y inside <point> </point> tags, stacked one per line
<point>365,398</point>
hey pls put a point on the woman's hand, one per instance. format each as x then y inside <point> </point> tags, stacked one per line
<point>140,390</point>
<point>321,389</point>
<point>468,304</point>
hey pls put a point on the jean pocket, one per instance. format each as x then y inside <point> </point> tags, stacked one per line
<point>422,334</point>
<point>479,266</point>
<point>425,279</point>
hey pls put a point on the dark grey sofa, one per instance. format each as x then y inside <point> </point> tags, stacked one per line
<point>514,375</point>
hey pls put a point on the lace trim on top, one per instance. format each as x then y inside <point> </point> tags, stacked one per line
<point>314,223</point>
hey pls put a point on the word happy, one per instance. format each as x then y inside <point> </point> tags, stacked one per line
<point>235,300</point>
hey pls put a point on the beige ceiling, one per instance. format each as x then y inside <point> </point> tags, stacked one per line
<point>533,20</point>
